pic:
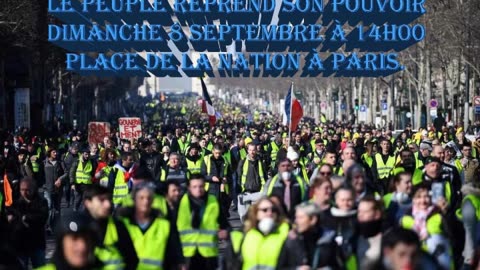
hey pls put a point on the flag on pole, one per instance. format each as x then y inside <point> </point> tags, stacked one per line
<point>7,189</point>
<point>207,105</point>
<point>293,111</point>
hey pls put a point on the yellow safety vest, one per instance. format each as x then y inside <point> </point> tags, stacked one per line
<point>384,169</point>
<point>120,189</point>
<point>274,151</point>
<point>434,223</point>
<point>475,200</point>
<point>83,175</point>
<point>254,246</point>
<point>108,253</point>
<point>368,159</point>
<point>151,245</point>
<point>303,174</point>
<point>204,239</point>
<point>275,179</point>
<point>207,161</point>
<point>194,167</point>
<point>245,172</point>
<point>35,164</point>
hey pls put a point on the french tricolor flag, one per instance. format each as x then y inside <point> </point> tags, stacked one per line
<point>293,111</point>
<point>207,105</point>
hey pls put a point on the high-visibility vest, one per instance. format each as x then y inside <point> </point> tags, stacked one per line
<point>208,163</point>
<point>384,169</point>
<point>475,201</point>
<point>243,153</point>
<point>434,223</point>
<point>182,146</point>
<point>204,239</point>
<point>434,227</point>
<point>275,179</point>
<point>151,246</point>
<point>253,249</point>
<point>108,253</point>
<point>49,266</point>
<point>194,167</point>
<point>245,172</point>
<point>368,159</point>
<point>35,164</point>
<point>303,174</point>
<point>228,156</point>
<point>274,151</point>
<point>418,162</point>
<point>83,175</point>
<point>120,189</point>
<point>159,203</point>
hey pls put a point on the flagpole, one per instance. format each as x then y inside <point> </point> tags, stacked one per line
<point>290,120</point>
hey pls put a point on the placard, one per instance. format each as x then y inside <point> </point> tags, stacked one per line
<point>130,127</point>
<point>97,131</point>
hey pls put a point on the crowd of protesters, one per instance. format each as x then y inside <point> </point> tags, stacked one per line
<point>326,196</point>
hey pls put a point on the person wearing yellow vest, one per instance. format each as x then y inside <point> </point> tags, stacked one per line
<point>113,178</point>
<point>215,168</point>
<point>112,235</point>
<point>35,159</point>
<point>450,172</point>
<point>427,219</point>
<point>251,175</point>
<point>193,160</point>
<point>81,175</point>
<point>200,224</point>
<point>182,143</point>
<point>155,238</point>
<point>367,157</point>
<point>298,169</point>
<point>318,153</point>
<point>273,148</point>
<point>382,165</point>
<point>290,189</point>
<point>469,214</point>
<point>262,232</point>
<point>75,245</point>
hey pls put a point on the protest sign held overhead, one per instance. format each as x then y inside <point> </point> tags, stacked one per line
<point>130,127</point>
<point>97,131</point>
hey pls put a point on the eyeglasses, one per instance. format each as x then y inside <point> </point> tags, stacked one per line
<point>325,173</point>
<point>268,209</point>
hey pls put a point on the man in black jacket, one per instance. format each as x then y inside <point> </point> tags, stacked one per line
<point>98,208</point>
<point>27,218</point>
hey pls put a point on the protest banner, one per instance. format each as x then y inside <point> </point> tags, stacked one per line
<point>97,131</point>
<point>130,127</point>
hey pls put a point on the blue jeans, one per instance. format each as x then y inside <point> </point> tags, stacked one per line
<point>37,257</point>
<point>53,201</point>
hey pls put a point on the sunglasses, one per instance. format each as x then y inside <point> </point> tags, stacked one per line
<point>325,173</point>
<point>268,209</point>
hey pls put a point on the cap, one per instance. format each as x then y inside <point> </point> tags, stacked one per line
<point>84,149</point>
<point>317,141</point>
<point>432,159</point>
<point>425,145</point>
<point>248,140</point>
<point>73,223</point>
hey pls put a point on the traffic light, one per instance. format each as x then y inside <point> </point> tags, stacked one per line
<point>356,104</point>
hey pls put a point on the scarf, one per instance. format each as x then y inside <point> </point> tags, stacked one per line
<point>420,225</point>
